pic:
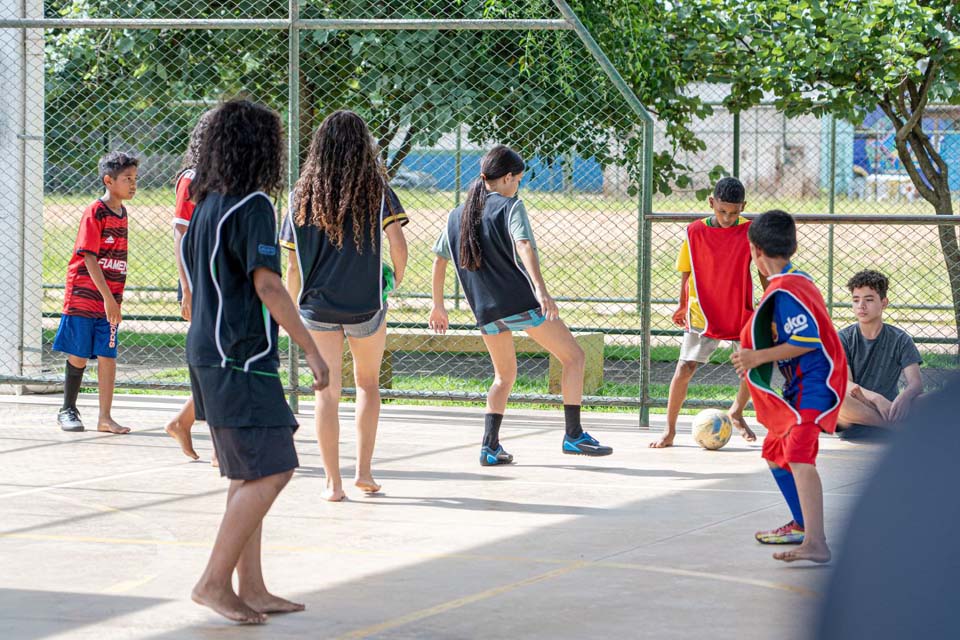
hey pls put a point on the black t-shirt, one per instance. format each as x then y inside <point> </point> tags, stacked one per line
<point>877,364</point>
<point>501,286</point>
<point>341,286</point>
<point>227,240</point>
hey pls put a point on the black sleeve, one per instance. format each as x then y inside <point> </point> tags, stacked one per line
<point>253,240</point>
<point>288,239</point>
<point>394,210</point>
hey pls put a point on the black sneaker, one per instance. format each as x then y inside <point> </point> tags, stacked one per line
<point>585,445</point>
<point>69,420</point>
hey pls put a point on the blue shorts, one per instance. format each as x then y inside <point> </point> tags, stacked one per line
<point>86,337</point>
<point>516,322</point>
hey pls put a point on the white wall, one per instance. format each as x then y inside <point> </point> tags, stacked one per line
<point>21,192</point>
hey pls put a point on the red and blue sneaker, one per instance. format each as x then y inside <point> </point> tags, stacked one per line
<point>790,533</point>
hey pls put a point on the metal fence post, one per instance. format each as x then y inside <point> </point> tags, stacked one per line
<point>646,197</point>
<point>832,210</point>
<point>293,168</point>
<point>736,144</point>
<point>458,186</point>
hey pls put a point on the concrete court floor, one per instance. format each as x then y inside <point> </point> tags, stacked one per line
<point>103,536</point>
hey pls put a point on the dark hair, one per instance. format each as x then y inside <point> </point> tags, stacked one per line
<point>869,278</point>
<point>497,163</point>
<point>242,152</point>
<point>729,190</point>
<point>342,175</point>
<point>114,163</point>
<point>191,156</point>
<point>774,233</point>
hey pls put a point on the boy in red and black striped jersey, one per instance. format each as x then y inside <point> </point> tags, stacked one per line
<point>96,275</point>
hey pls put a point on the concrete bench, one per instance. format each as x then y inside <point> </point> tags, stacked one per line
<point>429,342</point>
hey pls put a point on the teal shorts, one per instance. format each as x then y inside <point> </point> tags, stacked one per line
<point>516,322</point>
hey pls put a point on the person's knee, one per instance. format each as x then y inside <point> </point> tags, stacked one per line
<point>685,369</point>
<point>368,382</point>
<point>330,394</point>
<point>574,358</point>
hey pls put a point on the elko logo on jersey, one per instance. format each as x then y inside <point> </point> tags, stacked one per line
<point>111,264</point>
<point>796,324</point>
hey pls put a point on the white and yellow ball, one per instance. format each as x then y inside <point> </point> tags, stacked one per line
<point>712,429</point>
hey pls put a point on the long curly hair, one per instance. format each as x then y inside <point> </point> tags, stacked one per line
<point>192,155</point>
<point>242,152</point>
<point>342,176</point>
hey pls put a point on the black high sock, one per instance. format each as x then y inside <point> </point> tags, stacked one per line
<point>571,418</point>
<point>73,378</point>
<point>491,430</point>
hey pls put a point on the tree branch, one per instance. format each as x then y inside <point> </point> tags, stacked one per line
<point>405,147</point>
<point>903,152</point>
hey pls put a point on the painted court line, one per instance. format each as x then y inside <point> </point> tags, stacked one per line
<point>566,565</point>
<point>456,604</point>
<point>77,483</point>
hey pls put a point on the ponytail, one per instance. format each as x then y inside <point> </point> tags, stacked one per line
<point>470,254</point>
<point>497,163</point>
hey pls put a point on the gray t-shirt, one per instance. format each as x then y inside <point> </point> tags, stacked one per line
<point>519,228</point>
<point>877,364</point>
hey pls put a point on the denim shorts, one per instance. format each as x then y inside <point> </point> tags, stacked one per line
<point>516,322</point>
<point>363,329</point>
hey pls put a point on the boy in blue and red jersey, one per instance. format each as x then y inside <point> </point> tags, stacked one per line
<point>96,276</point>
<point>791,327</point>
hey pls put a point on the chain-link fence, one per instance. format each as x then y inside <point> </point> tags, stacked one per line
<point>439,81</point>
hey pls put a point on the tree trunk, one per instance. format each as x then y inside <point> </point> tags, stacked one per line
<point>951,256</point>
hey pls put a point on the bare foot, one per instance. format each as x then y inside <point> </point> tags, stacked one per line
<point>182,435</point>
<point>367,485</point>
<point>228,604</point>
<point>266,602</point>
<point>110,426</point>
<point>214,462</point>
<point>743,427</point>
<point>817,552</point>
<point>666,440</point>
<point>331,495</point>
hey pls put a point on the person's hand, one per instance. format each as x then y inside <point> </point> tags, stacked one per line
<point>113,311</point>
<point>439,321</point>
<point>321,373</point>
<point>680,317</point>
<point>744,360</point>
<point>900,408</point>
<point>548,306</point>
<point>186,304</point>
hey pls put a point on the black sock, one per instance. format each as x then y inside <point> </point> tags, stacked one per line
<point>491,430</point>
<point>571,418</point>
<point>73,378</point>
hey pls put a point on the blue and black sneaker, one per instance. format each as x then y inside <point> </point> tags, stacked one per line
<point>585,445</point>
<point>490,457</point>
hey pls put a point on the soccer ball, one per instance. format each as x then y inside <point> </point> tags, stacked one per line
<point>712,429</point>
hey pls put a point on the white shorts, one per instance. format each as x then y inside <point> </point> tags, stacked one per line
<point>697,347</point>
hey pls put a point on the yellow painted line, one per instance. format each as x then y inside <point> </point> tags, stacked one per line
<point>416,616</point>
<point>129,585</point>
<point>427,557</point>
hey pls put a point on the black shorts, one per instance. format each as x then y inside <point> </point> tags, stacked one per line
<point>250,453</point>
<point>228,397</point>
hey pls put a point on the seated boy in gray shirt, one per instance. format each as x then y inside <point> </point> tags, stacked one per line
<point>877,355</point>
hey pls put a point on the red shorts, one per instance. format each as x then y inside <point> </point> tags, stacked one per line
<point>798,443</point>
